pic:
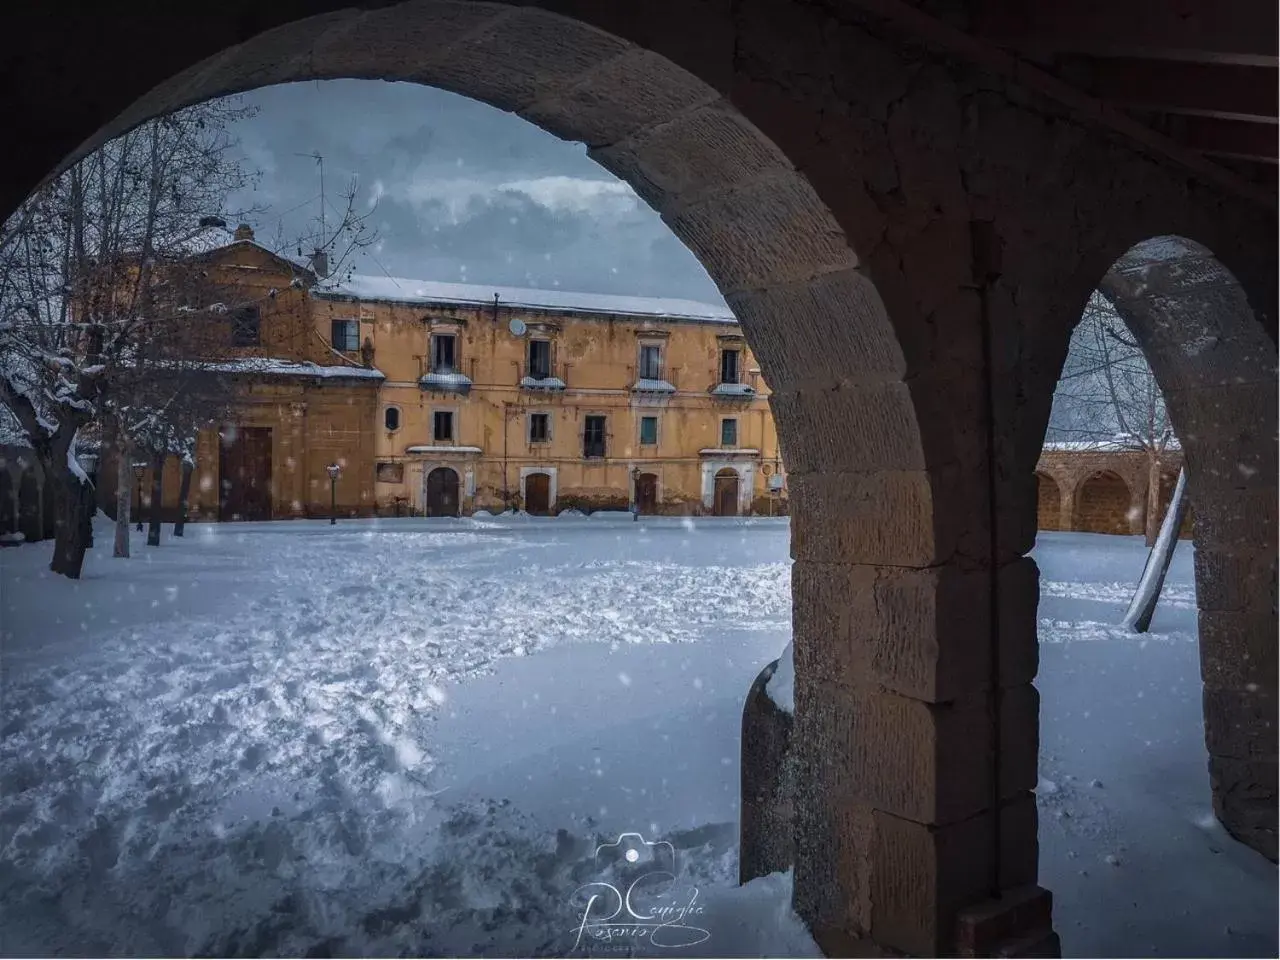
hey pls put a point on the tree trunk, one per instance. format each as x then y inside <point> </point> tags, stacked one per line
<point>184,496</point>
<point>1153,499</point>
<point>73,502</point>
<point>124,500</point>
<point>1143,605</point>
<point>157,499</point>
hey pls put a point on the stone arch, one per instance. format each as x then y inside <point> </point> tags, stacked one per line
<point>910,445</point>
<point>1048,502</point>
<point>1103,504</point>
<point>1217,369</point>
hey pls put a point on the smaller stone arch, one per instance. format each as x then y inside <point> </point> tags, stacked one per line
<point>1104,504</point>
<point>728,491</point>
<point>1048,502</point>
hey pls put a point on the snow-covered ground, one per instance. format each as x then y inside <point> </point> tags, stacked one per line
<point>410,737</point>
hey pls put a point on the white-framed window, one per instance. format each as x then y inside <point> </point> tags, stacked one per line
<point>444,353</point>
<point>650,361</point>
<point>539,359</point>
<point>730,365</point>
<point>539,427</point>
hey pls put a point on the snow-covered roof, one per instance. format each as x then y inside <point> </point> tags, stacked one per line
<point>403,290</point>
<point>1104,446</point>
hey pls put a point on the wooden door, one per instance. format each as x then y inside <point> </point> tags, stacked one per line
<point>244,468</point>
<point>647,493</point>
<point>537,494</point>
<point>726,494</point>
<point>442,493</point>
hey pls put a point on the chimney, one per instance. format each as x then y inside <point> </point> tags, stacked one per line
<point>244,232</point>
<point>320,264</point>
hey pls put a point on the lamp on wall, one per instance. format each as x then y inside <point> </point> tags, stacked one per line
<point>334,470</point>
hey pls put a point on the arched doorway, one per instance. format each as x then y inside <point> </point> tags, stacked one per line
<point>1048,503</point>
<point>647,492</point>
<point>537,494</point>
<point>725,502</point>
<point>1103,505</point>
<point>442,493</point>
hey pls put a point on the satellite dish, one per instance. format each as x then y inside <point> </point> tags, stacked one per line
<point>517,327</point>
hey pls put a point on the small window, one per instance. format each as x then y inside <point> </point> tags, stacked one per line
<point>648,430</point>
<point>650,362</point>
<point>345,335</point>
<point>390,472</point>
<point>442,423</point>
<point>539,427</point>
<point>593,437</point>
<point>443,353</point>
<point>391,418</point>
<point>246,327</point>
<point>728,366</point>
<point>728,433</point>
<point>539,359</point>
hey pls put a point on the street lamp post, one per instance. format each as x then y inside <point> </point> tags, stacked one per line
<point>138,470</point>
<point>333,470</point>
<point>635,494</point>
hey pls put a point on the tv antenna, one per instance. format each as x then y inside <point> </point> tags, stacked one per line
<point>316,156</point>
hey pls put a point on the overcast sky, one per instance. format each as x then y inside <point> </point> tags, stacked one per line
<point>464,192</point>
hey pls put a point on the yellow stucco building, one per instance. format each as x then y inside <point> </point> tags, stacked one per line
<point>443,399</point>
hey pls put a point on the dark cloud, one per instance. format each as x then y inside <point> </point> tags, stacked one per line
<point>463,191</point>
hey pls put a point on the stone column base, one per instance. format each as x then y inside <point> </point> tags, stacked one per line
<point>1017,924</point>
<point>766,841</point>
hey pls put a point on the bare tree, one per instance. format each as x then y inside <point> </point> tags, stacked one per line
<point>1108,399</point>
<point>84,264</point>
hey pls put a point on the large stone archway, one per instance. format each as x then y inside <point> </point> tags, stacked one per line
<point>889,222</point>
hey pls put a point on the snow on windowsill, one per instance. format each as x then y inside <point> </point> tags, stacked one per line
<point>445,381</point>
<point>545,383</point>
<point>442,449</point>
<point>646,385</point>
<point>729,452</point>
<point>733,390</point>
<point>291,368</point>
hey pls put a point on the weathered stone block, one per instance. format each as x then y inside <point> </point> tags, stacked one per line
<point>922,633</point>
<point>983,928</point>
<point>1240,723</point>
<point>1238,648</point>
<point>1235,579</point>
<point>1244,798</point>
<point>885,518</point>
<point>849,426</point>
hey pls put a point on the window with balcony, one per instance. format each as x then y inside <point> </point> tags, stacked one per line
<point>345,335</point>
<point>593,437</point>
<point>728,433</point>
<point>650,362</point>
<point>729,366</point>
<point>539,359</point>
<point>442,426</point>
<point>539,428</point>
<point>648,431</point>
<point>444,353</point>
<point>246,327</point>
